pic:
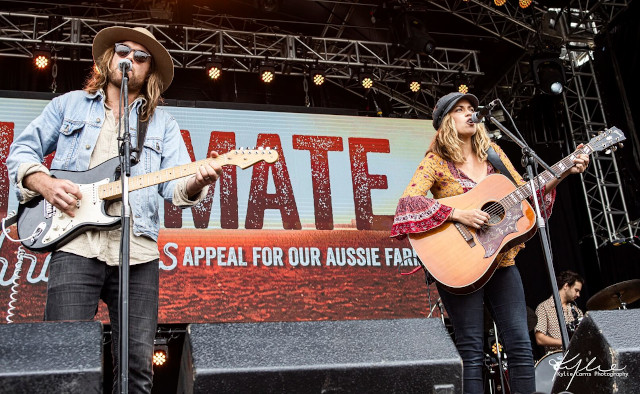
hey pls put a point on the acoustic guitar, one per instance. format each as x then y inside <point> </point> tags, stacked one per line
<point>463,259</point>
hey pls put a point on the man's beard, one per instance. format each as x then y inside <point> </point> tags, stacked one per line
<point>115,78</point>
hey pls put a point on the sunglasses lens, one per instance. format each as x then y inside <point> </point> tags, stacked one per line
<point>141,56</point>
<point>122,50</point>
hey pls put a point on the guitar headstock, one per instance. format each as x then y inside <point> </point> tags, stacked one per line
<point>244,158</point>
<point>609,137</point>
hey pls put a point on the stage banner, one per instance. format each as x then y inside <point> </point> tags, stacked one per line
<point>303,238</point>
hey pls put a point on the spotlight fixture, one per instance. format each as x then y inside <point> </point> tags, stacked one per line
<point>413,82</point>
<point>499,2</point>
<point>214,69</point>
<point>317,75</point>
<point>461,83</point>
<point>366,79</point>
<point>160,351</point>
<point>549,75</point>
<point>41,56</point>
<point>525,3</point>
<point>267,71</point>
<point>411,33</point>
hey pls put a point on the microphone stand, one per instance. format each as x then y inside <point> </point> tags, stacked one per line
<point>529,159</point>
<point>123,288</point>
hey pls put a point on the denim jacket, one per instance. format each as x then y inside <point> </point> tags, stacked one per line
<point>70,124</point>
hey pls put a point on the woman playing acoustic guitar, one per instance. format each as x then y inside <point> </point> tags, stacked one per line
<point>455,163</point>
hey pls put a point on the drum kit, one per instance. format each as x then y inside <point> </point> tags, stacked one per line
<point>616,296</point>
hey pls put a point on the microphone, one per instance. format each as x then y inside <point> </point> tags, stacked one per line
<point>124,65</point>
<point>477,116</point>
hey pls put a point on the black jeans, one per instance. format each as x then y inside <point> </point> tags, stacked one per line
<point>504,297</point>
<point>76,284</point>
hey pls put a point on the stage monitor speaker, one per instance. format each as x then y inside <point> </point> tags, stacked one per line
<point>51,357</point>
<point>353,356</point>
<point>603,355</point>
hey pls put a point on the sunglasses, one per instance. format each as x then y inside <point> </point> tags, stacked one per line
<point>139,56</point>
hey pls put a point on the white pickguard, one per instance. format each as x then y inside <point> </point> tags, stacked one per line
<point>89,211</point>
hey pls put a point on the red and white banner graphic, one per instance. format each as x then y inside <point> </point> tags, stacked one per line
<point>303,238</point>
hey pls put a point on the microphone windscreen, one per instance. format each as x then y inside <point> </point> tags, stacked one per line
<point>124,64</point>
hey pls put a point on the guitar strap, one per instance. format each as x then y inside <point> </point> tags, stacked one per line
<point>142,134</point>
<point>497,163</point>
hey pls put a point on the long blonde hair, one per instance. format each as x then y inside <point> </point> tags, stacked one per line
<point>447,144</point>
<point>151,89</point>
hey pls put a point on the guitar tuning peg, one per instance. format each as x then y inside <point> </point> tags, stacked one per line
<point>620,145</point>
<point>608,151</point>
<point>614,148</point>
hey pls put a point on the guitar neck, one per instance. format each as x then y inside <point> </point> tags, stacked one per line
<point>523,192</point>
<point>241,158</point>
<point>113,190</point>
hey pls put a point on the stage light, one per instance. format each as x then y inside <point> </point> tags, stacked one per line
<point>499,2</point>
<point>525,3</point>
<point>413,82</point>
<point>160,352</point>
<point>411,33</point>
<point>461,83</point>
<point>317,76</point>
<point>41,56</point>
<point>366,79</point>
<point>495,347</point>
<point>267,72</point>
<point>269,5</point>
<point>214,69</point>
<point>549,75</point>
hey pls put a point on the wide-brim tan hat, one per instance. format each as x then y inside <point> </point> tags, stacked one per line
<point>108,37</point>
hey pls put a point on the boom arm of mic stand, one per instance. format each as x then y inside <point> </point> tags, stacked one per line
<point>525,148</point>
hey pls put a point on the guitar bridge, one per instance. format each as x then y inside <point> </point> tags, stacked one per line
<point>466,234</point>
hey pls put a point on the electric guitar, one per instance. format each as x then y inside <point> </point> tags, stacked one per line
<point>42,227</point>
<point>463,259</point>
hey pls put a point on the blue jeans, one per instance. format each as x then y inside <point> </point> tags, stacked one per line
<point>504,297</point>
<point>76,284</point>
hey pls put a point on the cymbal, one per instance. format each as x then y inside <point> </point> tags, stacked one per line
<point>610,297</point>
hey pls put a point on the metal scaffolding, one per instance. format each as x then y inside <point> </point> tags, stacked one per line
<point>192,47</point>
<point>602,185</point>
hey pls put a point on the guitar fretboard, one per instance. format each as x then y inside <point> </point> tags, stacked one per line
<point>523,192</point>
<point>239,157</point>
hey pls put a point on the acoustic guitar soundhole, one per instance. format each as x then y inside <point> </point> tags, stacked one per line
<point>496,210</point>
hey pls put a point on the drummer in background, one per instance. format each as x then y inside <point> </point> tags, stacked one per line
<point>548,329</point>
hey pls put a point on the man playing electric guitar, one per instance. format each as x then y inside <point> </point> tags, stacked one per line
<point>82,128</point>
